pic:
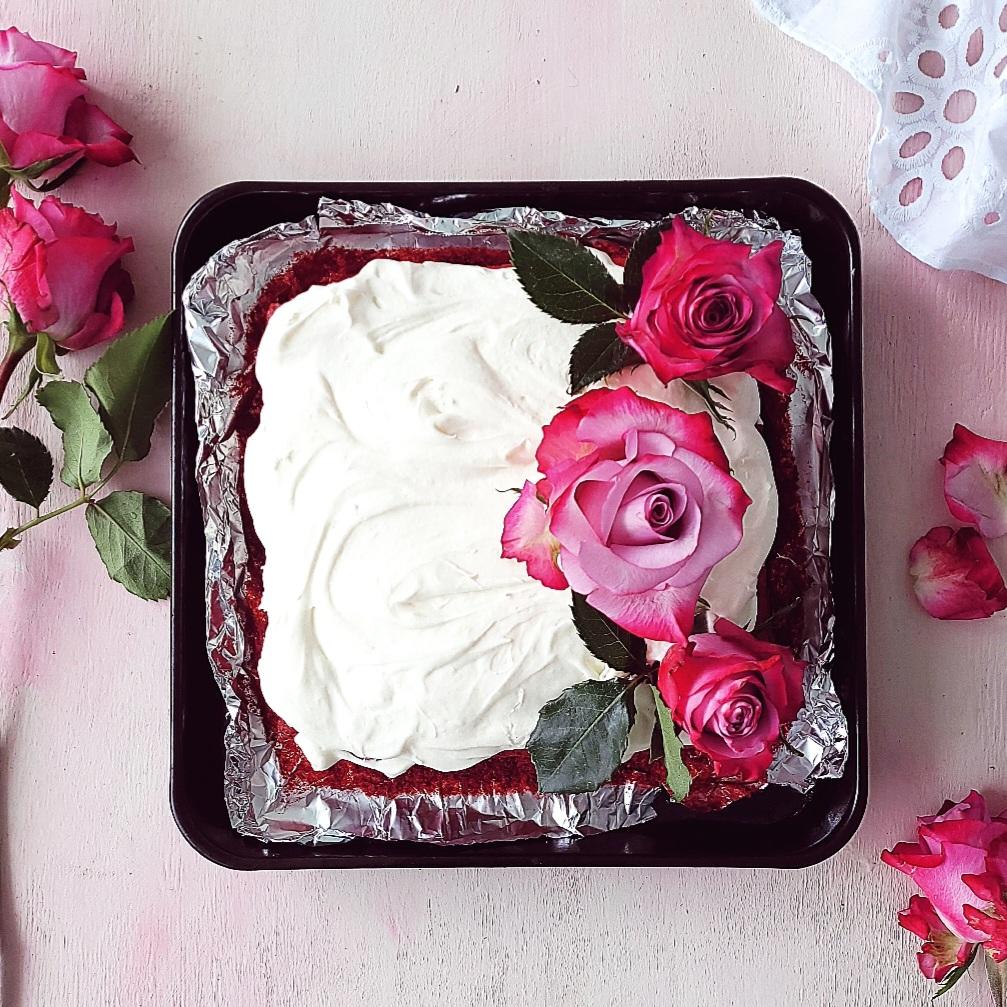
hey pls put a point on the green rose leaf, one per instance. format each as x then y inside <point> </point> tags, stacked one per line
<point>599,353</point>
<point>677,779</point>
<point>643,248</point>
<point>86,442</point>
<point>580,737</point>
<point>132,382</point>
<point>611,644</point>
<point>25,466</point>
<point>564,279</point>
<point>132,534</point>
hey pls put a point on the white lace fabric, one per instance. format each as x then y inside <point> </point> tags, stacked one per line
<point>938,161</point>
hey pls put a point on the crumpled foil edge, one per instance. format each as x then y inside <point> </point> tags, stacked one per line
<point>215,305</point>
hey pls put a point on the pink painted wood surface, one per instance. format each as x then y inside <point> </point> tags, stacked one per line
<point>101,901</point>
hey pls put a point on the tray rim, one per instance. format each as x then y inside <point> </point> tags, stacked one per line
<point>239,855</point>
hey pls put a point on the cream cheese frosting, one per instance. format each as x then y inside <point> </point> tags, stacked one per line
<point>401,409</point>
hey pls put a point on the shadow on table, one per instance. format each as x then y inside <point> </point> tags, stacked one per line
<point>11,946</point>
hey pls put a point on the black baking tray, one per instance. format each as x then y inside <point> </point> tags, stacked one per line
<point>776,827</point>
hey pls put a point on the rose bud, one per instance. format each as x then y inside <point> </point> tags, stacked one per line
<point>44,114</point>
<point>708,307</point>
<point>952,847</point>
<point>942,950</point>
<point>975,481</point>
<point>954,575</point>
<point>732,694</point>
<point>60,268</point>
<point>636,505</point>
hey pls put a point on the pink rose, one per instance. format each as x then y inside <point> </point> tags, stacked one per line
<point>43,111</point>
<point>732,694</point>
<point>708,307</point>
<point>636,506</point>
<point>975,481</point>
<point>954,575</point>
<point>951,845</point>
<point>60,267</point>
<point>942,950</point>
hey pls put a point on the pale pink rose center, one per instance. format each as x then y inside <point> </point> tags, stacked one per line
<point>740,716</point>
<point>652,512</point>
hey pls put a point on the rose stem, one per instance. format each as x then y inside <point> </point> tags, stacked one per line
<point>8,365</point>
<point>86,497</point>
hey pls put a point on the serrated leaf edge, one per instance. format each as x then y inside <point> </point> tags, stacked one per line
<point>163,566</point>
<point>615,311</point>
<point>626,684</point>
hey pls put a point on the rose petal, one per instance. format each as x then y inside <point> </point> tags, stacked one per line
<point>954,575</point>
<point>526,537</point>
<point>34,98</point>
<point>19,47</point>
<point>975,481</point>
<point>105,141</point>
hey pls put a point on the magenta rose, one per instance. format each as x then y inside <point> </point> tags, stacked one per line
<point>61,269</point>
<point>732,694</point>
<point>953,848</point>
<point>975,481</point>
<point>709,307</point>
<point>942,950</point>
<point>954,575</point>
<point>636,505</point>
<point>44,113</point>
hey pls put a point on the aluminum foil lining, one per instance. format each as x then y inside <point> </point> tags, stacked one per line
<point>216,304</point>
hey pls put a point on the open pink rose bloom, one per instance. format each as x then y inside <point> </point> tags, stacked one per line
<point>635,507</point>
<point>44,113</point>
<point>954,575</point>
<point>975,481</point>
<point>707,307</point>
<point>732,694</point>
<point>959,862</point>
<point>61,268</point>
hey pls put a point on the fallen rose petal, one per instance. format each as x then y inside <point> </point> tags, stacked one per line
<point>975,481</point>
<point>954,575</point>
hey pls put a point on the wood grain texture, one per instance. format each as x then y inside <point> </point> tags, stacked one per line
<point>101,901</point>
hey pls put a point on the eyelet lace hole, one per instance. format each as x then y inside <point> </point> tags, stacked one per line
<point>974,50</point>
<point>960,106</point>
<point>912,145</point>
<point>931,63</point>
<point>948,17</point>
<point>905,102</point>
<point>952,163</point>
<point>911,191</point>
